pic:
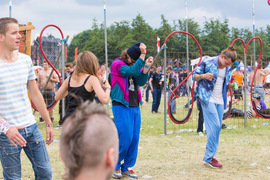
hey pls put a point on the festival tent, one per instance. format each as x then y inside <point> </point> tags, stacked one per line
<point>241,64</point>
<point>267,67</point>
<point>195,61</point>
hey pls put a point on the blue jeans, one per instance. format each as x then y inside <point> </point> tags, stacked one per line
<point>237,113</point>
<point>156,99</point>
<point>190,102</point>
<point>184,89</point>
<point>213,115</point>
<point>261,92</point>
<point>128,123</point>
<point>172,103</point>
<point>35,150</point>
<point>148,88</point>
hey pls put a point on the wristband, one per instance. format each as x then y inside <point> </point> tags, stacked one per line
<point>49,125</point>
<point>4,126</point>
<point>200,77</point>
<point>107,89</point>
<point>146,66</point>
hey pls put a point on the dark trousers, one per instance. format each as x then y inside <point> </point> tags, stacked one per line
<point>200,120</point>
<point>60,109</point>
<point>184,89</point>
<point>237,113</point>
<point>148,88</point>
<point>156,99</point>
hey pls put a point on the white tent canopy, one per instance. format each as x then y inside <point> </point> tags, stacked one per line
<point>241,64</point>
<point>267,67</point>
<point>195,61</point>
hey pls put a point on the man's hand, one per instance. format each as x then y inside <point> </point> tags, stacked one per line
<point>49,135</point>
<point>148,64</point>
<point>149,61</point>
<point>15,137</point>
<point>106,85</point>
<point>230,85</point>
<point>142,48</point>
<point>208,76</point>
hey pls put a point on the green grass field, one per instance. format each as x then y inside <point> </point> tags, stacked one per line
<point>244,152</point>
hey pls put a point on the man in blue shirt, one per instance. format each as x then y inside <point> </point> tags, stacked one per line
<point>213,75</point>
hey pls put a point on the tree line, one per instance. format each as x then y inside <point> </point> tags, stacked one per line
<point>214,36</point>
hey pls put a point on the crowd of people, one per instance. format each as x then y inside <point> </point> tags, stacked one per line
<point>92,145</point>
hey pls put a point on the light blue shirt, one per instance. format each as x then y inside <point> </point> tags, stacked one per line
<point>205,87</point>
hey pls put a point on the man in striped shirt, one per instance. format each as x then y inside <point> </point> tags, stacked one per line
<point>18,127</point>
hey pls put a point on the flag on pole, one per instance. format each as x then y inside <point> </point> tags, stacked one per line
<point>158,45</point>
<point>76,53</point>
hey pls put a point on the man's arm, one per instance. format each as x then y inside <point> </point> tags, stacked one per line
<point>54,78</point>
<point>38,101</point>
<point>38,80</point>
<point>150,83</point>
<point>208,76</point>
<point>262,73</point>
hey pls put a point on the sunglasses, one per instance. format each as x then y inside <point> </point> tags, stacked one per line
<point>257,97</point>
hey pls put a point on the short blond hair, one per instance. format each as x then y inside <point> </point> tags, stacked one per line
<point>86,136</point>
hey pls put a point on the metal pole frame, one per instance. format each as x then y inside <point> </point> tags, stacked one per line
<point>106,48</point>
<point>165,89</point>
<point>187,52</point>
<point>63,73</point>
<point>10,6</point>
<point>254,44</point>
<point>245,90</point>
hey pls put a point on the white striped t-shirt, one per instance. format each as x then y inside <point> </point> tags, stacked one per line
<point>15,107</point>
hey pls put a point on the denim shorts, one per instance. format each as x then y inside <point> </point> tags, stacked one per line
<point>35,150</point>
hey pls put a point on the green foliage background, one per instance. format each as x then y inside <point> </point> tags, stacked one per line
<point>214,36</point>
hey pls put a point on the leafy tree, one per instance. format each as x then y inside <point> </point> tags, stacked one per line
<point>118,32</point>
<point>213,38</point>
<point>215,35</point>
<point>77,42</point>
<point>193,29</point>
<point>165,29</point>
<point>142,32</point>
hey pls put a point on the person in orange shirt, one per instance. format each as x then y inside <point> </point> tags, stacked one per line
<point>238,79</point>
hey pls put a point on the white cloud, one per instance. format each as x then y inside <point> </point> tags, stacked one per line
<point>74,16</point>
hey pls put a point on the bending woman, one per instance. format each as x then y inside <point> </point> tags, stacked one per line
<point>128,73</point>
<point>84,83</point>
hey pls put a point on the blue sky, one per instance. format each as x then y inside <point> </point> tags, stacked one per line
<point>74,16</point>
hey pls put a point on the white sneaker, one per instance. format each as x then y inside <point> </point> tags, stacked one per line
<point>200,133</point>
<point>117,174</point>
